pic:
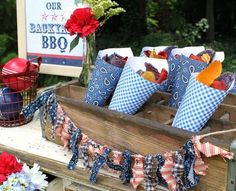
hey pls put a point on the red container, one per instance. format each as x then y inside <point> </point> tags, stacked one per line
<point>18,88</point>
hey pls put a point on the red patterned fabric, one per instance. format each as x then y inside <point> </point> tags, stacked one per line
<point>208,150</point>
<point>138,171</point>
<point>62,128</point>
<point>166,171</point>
<point>84,139</point>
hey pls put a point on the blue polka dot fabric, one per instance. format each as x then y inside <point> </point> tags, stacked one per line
<point>198,105</point>
<point>180,72</point>
<point>102,84</point>
<point>132,92</point>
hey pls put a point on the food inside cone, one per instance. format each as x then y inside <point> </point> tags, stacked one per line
<point>159,52</point>
<point>124,52</point>
<point>115,60</point>
<point>152,74</point>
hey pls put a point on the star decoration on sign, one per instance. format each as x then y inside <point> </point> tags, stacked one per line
<point>44,17</point>
<point>54,16</point>
<point>62,18</point>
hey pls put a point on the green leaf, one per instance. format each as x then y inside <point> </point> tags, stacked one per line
<point>74,43</point>
<point>77,2</point>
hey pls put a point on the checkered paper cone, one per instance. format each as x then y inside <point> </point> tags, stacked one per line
<point>132,90</point>
<point>103,81</point>
<point>104,77</point>
<point>180,71</point>
<point>198,105</point>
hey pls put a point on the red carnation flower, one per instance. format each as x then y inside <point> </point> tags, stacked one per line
<point>82,21</point>
<point>8,165</point>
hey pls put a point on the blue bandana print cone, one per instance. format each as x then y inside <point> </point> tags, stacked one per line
<point>132,92</point>
<point>103,82</point>
<point>172,63</point>
<point>198,105</point>
<point>180,73</point>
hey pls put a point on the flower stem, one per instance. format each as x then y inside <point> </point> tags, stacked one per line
<point>88,59</point>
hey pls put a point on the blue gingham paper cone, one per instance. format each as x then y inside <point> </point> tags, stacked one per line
<point>102,84</point>
<point>198,105</point>
<point>133,91</point>
<point>183,68</point>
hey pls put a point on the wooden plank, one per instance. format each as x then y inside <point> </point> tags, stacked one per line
<point>153,110</point>
<point>163,113</point>
<point>59,169</point>
<point>157,97</point>
<point>216,174</point>
<point>122,131</point>
<point>230,99</point>
<point>56,184</point>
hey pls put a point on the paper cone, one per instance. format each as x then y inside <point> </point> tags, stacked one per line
<point>187,51</point>
<point>183,68</point>
<point>103,81</point>
<point>172,63</point>
<point>132,90</point>
<point>198,105</point>
<point>104,77</point>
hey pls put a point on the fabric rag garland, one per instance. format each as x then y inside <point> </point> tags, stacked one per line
<point>178,170</point>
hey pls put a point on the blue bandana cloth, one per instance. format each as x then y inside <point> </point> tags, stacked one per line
<point>52,103</point>
<point>181,69</point>
<point>113,166</point>
<point>126,173</point>
<point>172,62</point>
<point>103,81</point>
<point>75,149</point>
<point>161,162</point>
<point>31,108</point>
<point>191,178</point>
<point>98,163</point>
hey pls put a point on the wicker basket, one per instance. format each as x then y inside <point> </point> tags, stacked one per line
<point>16,91</point>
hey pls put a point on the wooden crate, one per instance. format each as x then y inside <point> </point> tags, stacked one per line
<point>149,131</point>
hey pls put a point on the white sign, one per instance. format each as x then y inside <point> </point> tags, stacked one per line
<point>46,36</point>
